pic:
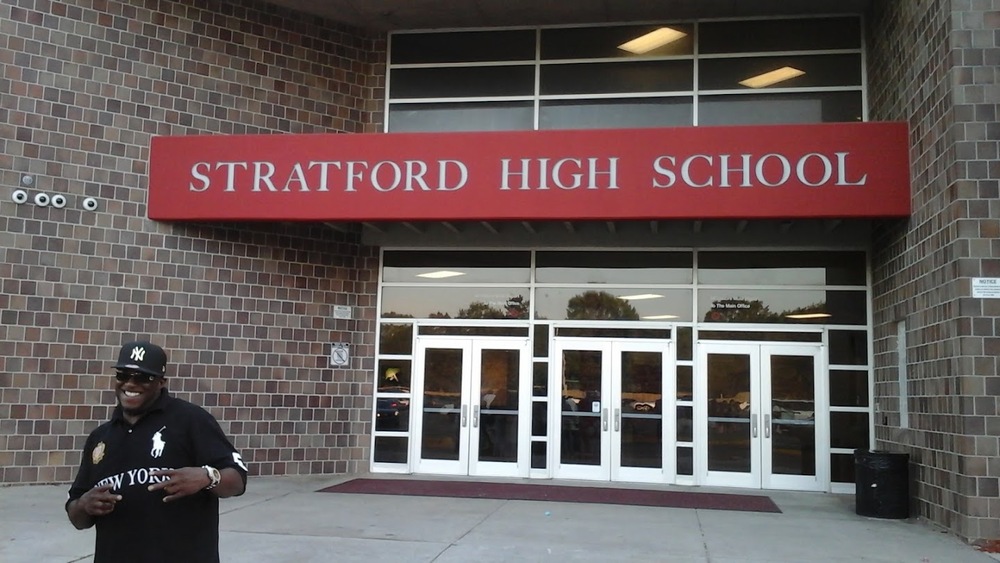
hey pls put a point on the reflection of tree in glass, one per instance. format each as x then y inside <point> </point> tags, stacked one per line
<point>396,338</point>
<point>738,310</point>
<point>515,308</point>
<point>600,305</point>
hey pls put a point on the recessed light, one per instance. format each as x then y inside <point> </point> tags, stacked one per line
<point>772,77</point>
<point>809,316</point>
<point>641,296</point>
<point>440,274</point>
<point>659,317</point>
<point>656,38</point>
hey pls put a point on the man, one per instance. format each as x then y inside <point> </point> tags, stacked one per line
<point>151,477</point>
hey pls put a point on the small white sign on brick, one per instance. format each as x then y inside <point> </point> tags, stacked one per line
<point>986,288</point>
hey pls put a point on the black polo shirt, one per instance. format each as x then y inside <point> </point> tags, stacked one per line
<point>143,528</point>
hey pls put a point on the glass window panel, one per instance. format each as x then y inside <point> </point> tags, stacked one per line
<point>849,347</point>
<point>463,46</point>
<point>392,414</point>
<point>390,449</point>
<point>540,376</point>
<point>455,302</point>
<point>617,77</point>
<point>764,336</point>
<point>457,266</point>
<point>478,330</point>
<point>819,71</point>
<point>685,424</point>
<point>685,343</point>
<point>610,114</point>
<point>782,306</point>
<point>463,82</point>
<point>849,388</point>
<point>849,430</point>
<point>603,42</point>
<point>539,455</point>
<point>769,109</point>
<point>842,468</point>
<point>393,376</point>
<point>782,268</point>
<point>685,460</point>
<point>395,339</point>
<point>650,304</point>
<point>685,383</point>
<point>779,35</point>
<point>471,116</point>
<point>541,346</point>
<point>539,419</point>
<point>613,267</point>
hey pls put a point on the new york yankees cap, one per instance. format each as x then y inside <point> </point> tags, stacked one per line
<point>143,356</point>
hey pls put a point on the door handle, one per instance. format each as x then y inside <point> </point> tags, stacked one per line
<point>618,420</point>
<point>465,415</point>
<point>475,416</point>
<point>604,419</point>
<point>753,425</point>
<point>767,426</point>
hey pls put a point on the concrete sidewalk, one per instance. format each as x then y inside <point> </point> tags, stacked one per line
<point>283,520</point>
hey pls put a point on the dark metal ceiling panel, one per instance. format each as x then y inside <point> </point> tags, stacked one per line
<point>387,15</point>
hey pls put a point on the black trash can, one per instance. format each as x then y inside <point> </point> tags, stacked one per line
<point>883,483</point>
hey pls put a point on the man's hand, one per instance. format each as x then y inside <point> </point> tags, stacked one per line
<point>98,501</point>
<point>181,482</point>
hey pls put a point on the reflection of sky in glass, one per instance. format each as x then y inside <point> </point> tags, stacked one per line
<point>614,275</point>
<point>764,276</point>
<point>551,302</point>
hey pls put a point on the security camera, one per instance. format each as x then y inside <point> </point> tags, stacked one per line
<point>41,200</point>
<point>58,201</point>
<point>90,204</point>
<point>19,196</point>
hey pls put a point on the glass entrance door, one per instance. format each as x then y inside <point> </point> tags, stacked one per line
<point>471,411</point>
<point>761,412</point>
<point>612,404</point>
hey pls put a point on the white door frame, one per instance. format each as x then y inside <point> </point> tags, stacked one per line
<point>468,408</point>
<point>761,426</point>
<point>610,411</point>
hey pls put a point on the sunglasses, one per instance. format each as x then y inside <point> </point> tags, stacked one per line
<point>136,376</point>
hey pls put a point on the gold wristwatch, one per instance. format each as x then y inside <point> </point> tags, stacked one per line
<point>214,475</point>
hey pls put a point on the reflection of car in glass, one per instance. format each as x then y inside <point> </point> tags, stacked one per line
<point>390,412</point>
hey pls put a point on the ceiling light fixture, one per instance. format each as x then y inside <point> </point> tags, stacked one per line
<point>652,40</point>
<point>641,296</point>
<point>659,317</point>
<point>809,316</point>
<point>773,77</point>
<point>440,274</point>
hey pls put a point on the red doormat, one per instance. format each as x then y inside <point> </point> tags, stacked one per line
<point>556,493</point>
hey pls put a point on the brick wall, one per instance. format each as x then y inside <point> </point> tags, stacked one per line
<point>933,63</point>
<point>245,310</point>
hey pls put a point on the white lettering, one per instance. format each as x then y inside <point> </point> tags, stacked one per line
<point>352,175</point>
<point>842,171</point>
<point>324,170</point>
<point>786,170</point>
<point>506,173</point>
<point>395,176</point>
<point>463,175</point>
<point>557,170</point>
<point>686,171</point>
<point>725,170</point>
<point>663,171</point>
<point>199,171</point>
<point>230,168</point>
<point>800,169</point>
<point>262,172</point>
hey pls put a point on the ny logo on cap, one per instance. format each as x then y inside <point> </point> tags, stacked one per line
<point>138,353</point>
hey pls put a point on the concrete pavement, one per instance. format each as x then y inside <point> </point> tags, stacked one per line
<point>283,520</point>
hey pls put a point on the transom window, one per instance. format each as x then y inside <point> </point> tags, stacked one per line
<point>649,75</point>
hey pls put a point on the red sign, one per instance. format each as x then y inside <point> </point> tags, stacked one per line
<point>794,171</point>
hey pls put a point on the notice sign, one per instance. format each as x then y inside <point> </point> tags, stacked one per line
<point>986,288</point>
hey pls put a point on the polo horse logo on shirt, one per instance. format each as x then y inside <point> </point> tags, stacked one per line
<point>158,443</point>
